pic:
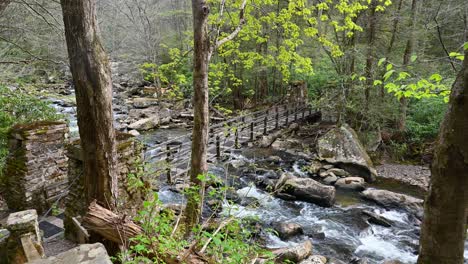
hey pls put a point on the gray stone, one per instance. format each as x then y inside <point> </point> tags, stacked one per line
<point>316,259</point>
<point>144,102</point>
<point>306,189</point>
<point>390,199</point>
<point>342,147</point>
<point>83,254</point>
<point>24,222</point>
<point>287,230</point>
<point>314,167</point>
<point>352,183</point>
<point>294,254</point>
<point>330,180</point>
<point>145,124</point>
<point>338,172</point>
<point>134,133</point>
<point>377,219</point>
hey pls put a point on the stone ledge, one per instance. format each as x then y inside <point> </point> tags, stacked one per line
<point>86,253</point>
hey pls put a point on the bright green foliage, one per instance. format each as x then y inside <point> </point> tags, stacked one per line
<point>17,107</point>
<point>173,76</point>
<point>230,242</point>
<point>403,84</point>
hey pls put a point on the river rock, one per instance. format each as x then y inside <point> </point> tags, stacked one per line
<point>314,167</point>
<point>390,199</point>
<point>392,262</point>
<point>330,180</point>
<point>352,183</point>
<point>338,172</point>
<point>316,259</point>
<point>134,133</point>
<point>143,102</point>
<point>294,254</point>
<point>341,146</point>
<point>335,261</point>
<point>377,219</point>
<point>86,253</point>
<point>306,189</point>
<point>287,230</point>
<point>145,124</point>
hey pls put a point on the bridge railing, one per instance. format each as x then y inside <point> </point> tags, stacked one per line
<point>171,159</point>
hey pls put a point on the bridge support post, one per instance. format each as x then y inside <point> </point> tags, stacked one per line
<point>277,118</point>
<point>218,147</point>
<point>252,131</point>
<point>287,116</point>
<point>265,123</point>
<point>295,113</point>
<point>168,164</point>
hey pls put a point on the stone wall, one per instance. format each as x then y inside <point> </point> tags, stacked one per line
<point>36,170</point>
<point>130,197</point>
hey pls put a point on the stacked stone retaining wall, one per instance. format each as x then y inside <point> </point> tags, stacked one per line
<point>35,174</point>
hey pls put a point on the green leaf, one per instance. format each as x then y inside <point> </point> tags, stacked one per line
<point>389,67</point>
<point>465,46</point>
<point>414,58</point>
<point>362,78</point>
<point>381,61</point>
<point>377,82</point>
<point>436,77</point>
<point>388,74</point>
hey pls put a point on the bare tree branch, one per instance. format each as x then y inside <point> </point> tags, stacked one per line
<point>237,30</point>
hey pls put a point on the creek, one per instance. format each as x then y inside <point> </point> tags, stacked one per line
<point>340,232</point>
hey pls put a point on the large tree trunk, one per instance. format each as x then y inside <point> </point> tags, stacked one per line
<point>90,68</point>
<point>410,46</point>
<point>444,225</point>
<point>3,5</point>
<point>200,10</point>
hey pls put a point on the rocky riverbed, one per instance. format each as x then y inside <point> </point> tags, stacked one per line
<point>347,216</point>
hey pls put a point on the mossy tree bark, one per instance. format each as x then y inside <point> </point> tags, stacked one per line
<point>199,165</point>
<point>90,68</point>
<point>3,5</point>
<point>444,226</point>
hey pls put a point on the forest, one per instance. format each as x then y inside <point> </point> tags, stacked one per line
<point>234,131</point>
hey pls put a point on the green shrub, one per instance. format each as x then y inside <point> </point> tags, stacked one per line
<point>230,241</point>
<point>17,107</point>
<point>424,118</point>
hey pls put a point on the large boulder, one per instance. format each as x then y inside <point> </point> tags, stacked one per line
<point>145,124</point>
<point>390,199</point>
<point>287,230</point>
<point>86,253</point>
<point>294,254</point>
<point>341,146</point>
<point>306,189</point>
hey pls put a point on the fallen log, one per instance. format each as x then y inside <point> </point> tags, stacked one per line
<point>109,225</point>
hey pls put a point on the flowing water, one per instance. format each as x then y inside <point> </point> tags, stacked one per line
<point>340,231</point>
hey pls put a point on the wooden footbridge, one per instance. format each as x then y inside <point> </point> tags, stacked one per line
<point>172,158</point>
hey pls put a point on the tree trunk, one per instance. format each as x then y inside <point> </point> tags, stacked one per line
<point>410,46</point>
<point>444,225</point>
<point>90,68</point>
<point>372,24</point>
<point>110,225</point>
<point>3,5</point>
<point>200,10</point>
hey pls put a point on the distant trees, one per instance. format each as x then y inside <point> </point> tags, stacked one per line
<point>445,216</point>
<point>90,69</point>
